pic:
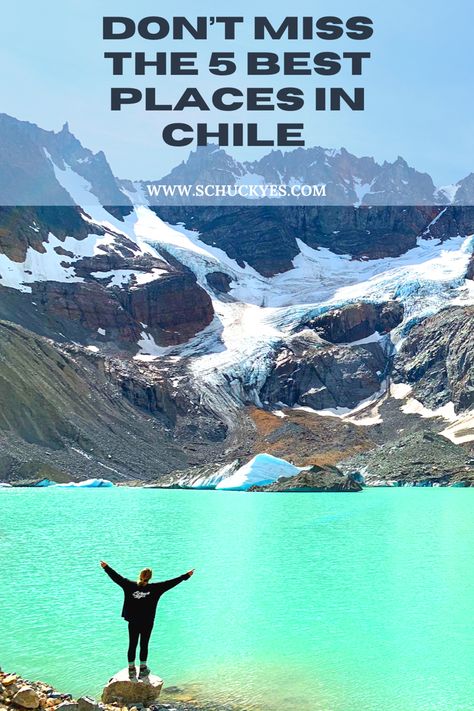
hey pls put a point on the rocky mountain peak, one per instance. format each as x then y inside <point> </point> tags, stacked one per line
<point>39,167</point>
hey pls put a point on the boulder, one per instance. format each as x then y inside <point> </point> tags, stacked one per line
<point>27,698</point>
<point>316,479</point>
<point>9,679</point>
<point>86,703</point>
<point>128,692</point>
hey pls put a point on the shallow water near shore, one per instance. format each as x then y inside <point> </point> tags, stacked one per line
<point>300,602</point>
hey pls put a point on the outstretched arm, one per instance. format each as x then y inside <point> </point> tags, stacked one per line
<point>113,574</point>
<point>168,584</point>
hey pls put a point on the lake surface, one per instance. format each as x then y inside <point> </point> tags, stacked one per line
<point>300,602</point>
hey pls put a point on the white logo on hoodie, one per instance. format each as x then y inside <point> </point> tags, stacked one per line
<point>138,595</point>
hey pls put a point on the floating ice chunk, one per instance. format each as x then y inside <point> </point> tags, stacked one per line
<point>262,469</point>
<point>87,484</point>
<point>210,482</point>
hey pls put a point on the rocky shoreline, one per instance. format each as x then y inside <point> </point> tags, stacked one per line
<point>19,694</point>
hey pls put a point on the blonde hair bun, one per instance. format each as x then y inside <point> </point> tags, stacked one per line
<point>144,576</point>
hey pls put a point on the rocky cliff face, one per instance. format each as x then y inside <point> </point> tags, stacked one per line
<point>22,228</point>
<point>324,366</point>
<point>62,412</point>
<point>310,373</point>
<point>174,307</point>
<point>68,414</point>
<point>90,306</point>
<point>91,283</point>
<point>437,359</point>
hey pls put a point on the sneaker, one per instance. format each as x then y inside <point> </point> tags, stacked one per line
<point>144,671</point>
<point>132,672</point>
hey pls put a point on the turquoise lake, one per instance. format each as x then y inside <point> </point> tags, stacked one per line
<point>300,602</point>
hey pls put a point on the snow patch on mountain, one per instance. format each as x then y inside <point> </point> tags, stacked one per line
<point>361,190</point>
<point>148,350</point>
<point>80,191</point>
<point>447,193</point>
<point>126,277</point>
<point>461,426</point>
<point>461,430</point>
<point>185,245</point>
<point>49,265</point>
<point>415,407</point>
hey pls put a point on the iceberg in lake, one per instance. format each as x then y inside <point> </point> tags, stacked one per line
<point>4,485</point>
<point>87,484</point>
<point>262,469</point>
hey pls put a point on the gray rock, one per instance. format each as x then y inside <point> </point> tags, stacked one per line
<point>131,692</point>
<point>68,706</point>
<point>27,698</point>
<point>87,703</point>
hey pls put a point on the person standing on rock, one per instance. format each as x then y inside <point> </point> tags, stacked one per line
<point>139,608</point>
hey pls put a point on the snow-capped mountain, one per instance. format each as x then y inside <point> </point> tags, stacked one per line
<point>39,167</point>
<point>349,180</point>
<point>233,330</point>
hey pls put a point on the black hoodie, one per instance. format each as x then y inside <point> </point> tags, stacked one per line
<point>140,601</point>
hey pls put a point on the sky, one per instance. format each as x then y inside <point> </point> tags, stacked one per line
<point>419,93</point>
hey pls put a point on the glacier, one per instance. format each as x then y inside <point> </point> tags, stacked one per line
<point>234,355</point>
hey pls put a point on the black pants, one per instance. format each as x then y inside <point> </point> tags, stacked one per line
<point>139,631</point>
